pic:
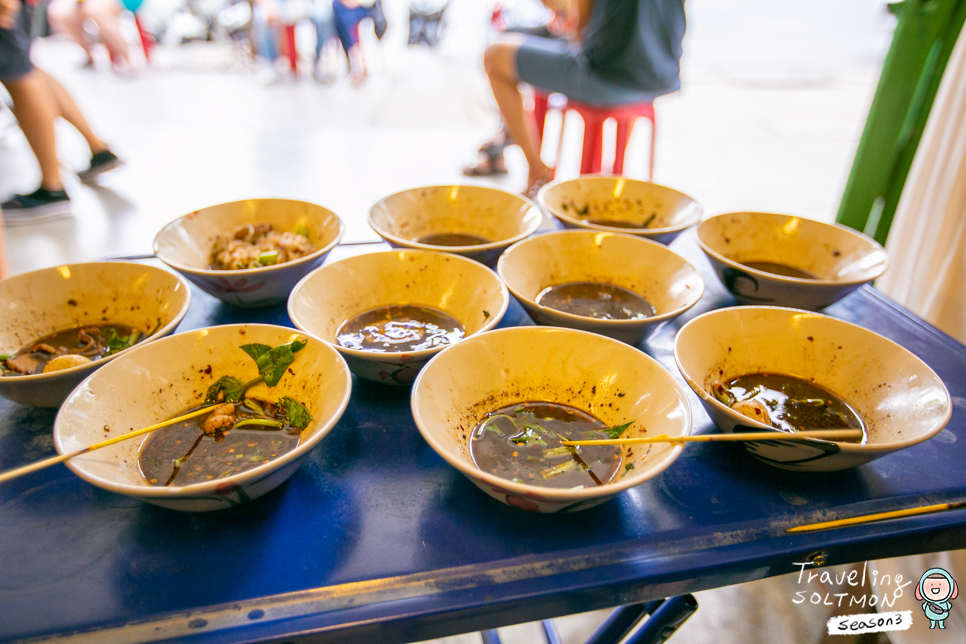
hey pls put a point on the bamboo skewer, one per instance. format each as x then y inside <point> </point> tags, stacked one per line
<point>827,434</point>
<point>881,516</point>
<point>53,460</point>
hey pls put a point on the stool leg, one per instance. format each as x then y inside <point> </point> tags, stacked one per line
<point>625,126</point>
<point>550,632</point>
<point>622,621</point>
<point>147,40</point>
<point>540,113</point>
<point>556,160</point>
<point>650,167</point>
<point>293,54</point>
<point>592,151</point>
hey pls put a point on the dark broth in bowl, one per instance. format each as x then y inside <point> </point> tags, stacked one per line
<point>596,300</point>
<point>788,403</point>
<point>399,328</point>
<point>452,239</point>
<point>90,342</point>
<point>184,454</point>
<point>780,269</point>
<point>522,443</point>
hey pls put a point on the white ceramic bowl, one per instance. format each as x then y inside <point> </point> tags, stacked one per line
<point>841,259</point>
<point>465,289</point>
<point>185,245</point>
<point>604,377</point>
<point>36,304</point>
<point>625,205</point>
<point>660,276</point>
<point>499,216</point>
<point>147,386</point>
<point>901,400</point>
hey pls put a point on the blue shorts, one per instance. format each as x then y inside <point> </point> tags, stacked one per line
<point>15,48</point>
<point>557,66</point>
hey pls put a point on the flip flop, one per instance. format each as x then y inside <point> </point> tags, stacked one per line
<point>483,168</point>
<point>535,188</point>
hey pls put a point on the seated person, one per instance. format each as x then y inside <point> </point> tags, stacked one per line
<point>625,51</point>
<point>68,16</point>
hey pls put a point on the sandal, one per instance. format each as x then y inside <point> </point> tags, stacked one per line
<point>486,166</point>
<point>535,188</point>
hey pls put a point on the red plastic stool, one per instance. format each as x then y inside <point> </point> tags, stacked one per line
<point>625,115</point>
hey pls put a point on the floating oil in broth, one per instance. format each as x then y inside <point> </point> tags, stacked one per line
<point>780,269</point>
<point>596,300</point>
<point>92,341</point>
<point>399,328</point>
<point>452,239</point>
<point>522,443</point>
<point>183,454</point>
<point>791,404</point>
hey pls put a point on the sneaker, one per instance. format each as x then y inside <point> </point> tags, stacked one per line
<point>41,205</point>
<point>100,162</point>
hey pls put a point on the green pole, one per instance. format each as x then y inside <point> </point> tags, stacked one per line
<point>924,38</point>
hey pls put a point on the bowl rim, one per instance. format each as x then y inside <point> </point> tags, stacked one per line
<point>639,232</point>
<point>475,248</point>
<point>412,356</point>
<point>239,480</point>
<point>866,448</point>
<point>547,493</point>
<point>573,318</point>
<point>242,272</point>
<point>160,334</point>
<point>873,245</point>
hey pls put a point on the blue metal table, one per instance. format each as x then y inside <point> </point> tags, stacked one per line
<point>376,538</point>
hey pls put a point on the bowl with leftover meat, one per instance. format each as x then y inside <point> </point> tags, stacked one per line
<point>617,204</point>
<point>267,396</point>
<point>389,312</point>
<point>249,253</point>
<point>473,221</point>
<point>498,406</point>
<point>766,258</point>
<point>621,286</point>
<point>758,368</point>
<point>62,323</point>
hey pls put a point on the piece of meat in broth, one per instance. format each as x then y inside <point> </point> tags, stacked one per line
<point>221,420</point>
<point>22,364</point>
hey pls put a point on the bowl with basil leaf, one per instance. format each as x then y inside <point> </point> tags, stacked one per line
<point>249,403</point>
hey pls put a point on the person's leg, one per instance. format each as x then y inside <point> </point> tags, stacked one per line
<point>105,14</point>
<point>501,68</point>
<point>35,113</point>
<point>66,108</point>
<point>64,16</point>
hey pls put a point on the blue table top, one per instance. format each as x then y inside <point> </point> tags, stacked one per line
<point>376,538</point>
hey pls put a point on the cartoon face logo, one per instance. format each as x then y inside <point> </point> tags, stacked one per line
<point>936,589</point>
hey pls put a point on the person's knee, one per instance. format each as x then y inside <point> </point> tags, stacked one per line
<point>499,60</point>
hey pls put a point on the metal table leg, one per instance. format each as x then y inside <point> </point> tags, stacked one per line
<point>665,620</point>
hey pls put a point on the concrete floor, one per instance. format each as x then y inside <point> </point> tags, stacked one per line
<point>773,100</point>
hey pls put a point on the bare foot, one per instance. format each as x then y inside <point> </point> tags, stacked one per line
<point>539,176</point>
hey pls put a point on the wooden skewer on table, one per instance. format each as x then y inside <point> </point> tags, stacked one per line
<point>827,434</point>
<point>53,460</point>
<point>881,516</point>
